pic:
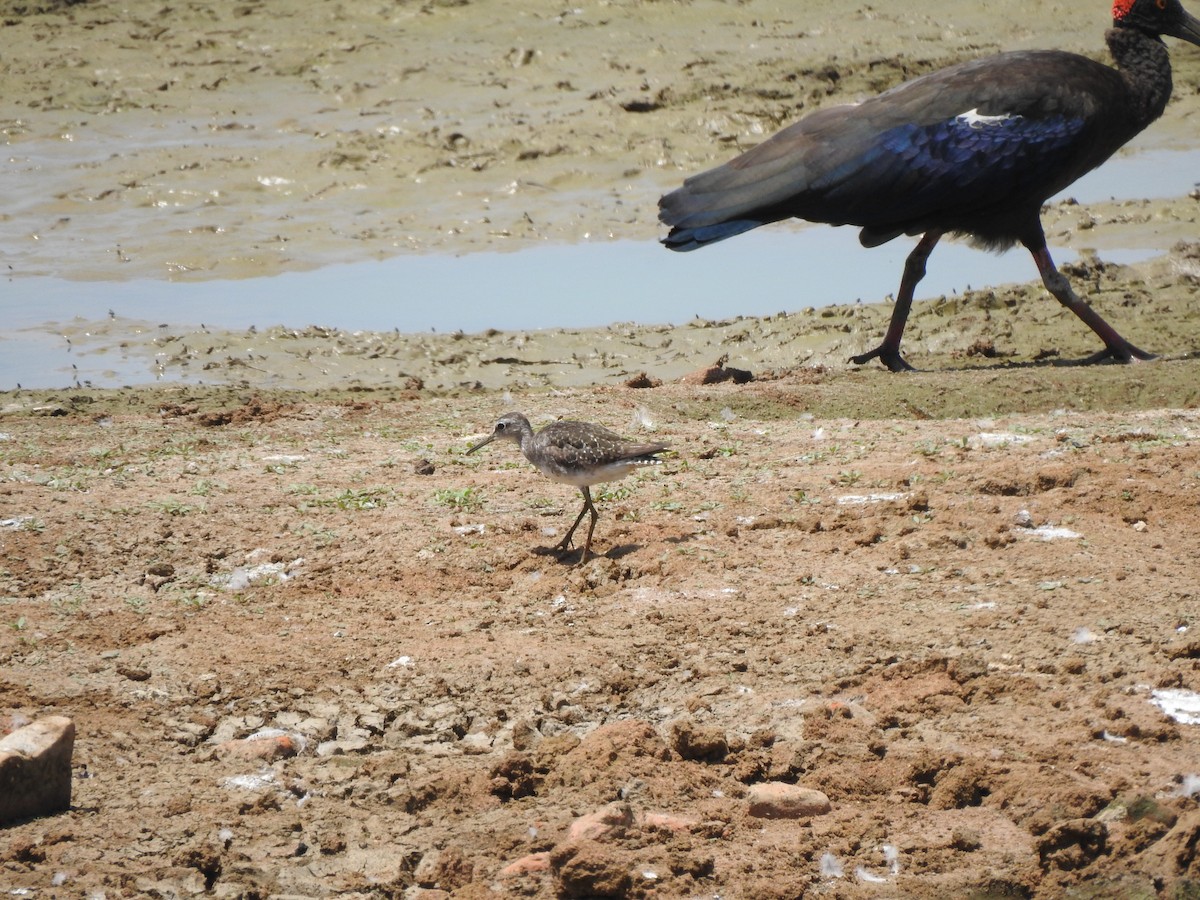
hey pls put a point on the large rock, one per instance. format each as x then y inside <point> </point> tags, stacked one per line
<point>776,800</point>
<point>35,769</point>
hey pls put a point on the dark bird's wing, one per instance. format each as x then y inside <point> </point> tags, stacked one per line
<point>940,151</point>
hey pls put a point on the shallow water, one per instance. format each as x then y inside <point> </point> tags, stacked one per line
<point>547,286</point>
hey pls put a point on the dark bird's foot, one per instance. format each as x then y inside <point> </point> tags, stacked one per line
<point>889,356</point>
<point>1122,353</point>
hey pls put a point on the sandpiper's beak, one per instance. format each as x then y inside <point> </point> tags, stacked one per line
<point>487,440</point>
<point>1186,28</point>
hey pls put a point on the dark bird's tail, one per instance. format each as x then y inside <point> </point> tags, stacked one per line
<point>798,172</point>
<point>731,199</point>
<point>684,238</point>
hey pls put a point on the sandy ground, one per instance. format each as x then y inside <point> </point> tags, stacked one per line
<point>313,650</point>
<point>954,628</point>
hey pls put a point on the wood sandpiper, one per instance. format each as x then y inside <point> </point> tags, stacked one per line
<point>577,453</point>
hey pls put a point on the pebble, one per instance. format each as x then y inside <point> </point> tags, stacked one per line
<point>666,822</point>
<point>342,748</point>
<point>265,746</point>
<point>596,825</point>
<point>35,769</point>
<point>228,728</point>
<point>532,864</point>
<point>778,800</point>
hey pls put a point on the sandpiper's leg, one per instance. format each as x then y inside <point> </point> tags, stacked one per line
<point>587,545</point>
<point>563,545</point>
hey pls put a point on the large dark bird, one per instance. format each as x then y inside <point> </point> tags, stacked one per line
<point>972,150</point>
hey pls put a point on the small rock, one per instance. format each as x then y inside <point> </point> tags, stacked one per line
<point>597,825</point>
<point>524,735</point>
<point>716,374</point>
<point>342,748</point>
<point>228,728</point>
<point>704,743</point>
<point>643,380</point>
<point>265,746</point>
<point>527,865</point>
<point>35,769</point>
<point>1072,844</point>
<point>10,723</point>
<point>423,467</point>
<point>589,869</point>
<point>444,869</point>
<point>475,743</point>
<point>666,822</point>
<point>965,839</point>
<point>778,800</point>
<point>134,673</point>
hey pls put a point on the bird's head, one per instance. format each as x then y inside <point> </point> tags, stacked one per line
<point>510,426</point>
<point>1157,17</point>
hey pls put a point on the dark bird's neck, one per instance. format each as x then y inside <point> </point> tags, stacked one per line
<point>1144,65</point>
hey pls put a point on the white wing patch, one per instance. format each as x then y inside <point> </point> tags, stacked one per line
<point>973,119</point>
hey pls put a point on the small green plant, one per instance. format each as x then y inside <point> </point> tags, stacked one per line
<point>849,477</point>
<point>138,605</point>
<point>319,533</point>
<point>615,492</point>
<point>69,605</point>
<point>205,488</point>
<point>190,600</point>
<point>364,498</point>
<point>76,484</point>
<point>172,507</point>
<point>350,498</point>
<point>458,498</point>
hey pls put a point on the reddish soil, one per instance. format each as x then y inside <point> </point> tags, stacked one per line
<point>866,608</point>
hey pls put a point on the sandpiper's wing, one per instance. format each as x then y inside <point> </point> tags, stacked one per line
<point>582,453</point>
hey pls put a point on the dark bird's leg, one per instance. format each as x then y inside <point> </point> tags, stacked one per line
<point>565,543</point>
<point>914,270</point>
<point>1116,347</point>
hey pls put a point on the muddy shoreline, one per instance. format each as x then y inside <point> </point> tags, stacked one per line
<point>236,141</point>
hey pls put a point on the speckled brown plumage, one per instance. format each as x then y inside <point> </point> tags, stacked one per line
<point>577,453</point>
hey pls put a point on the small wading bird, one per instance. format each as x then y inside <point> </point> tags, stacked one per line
<point>973,150</point>
<point>577,453</point>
